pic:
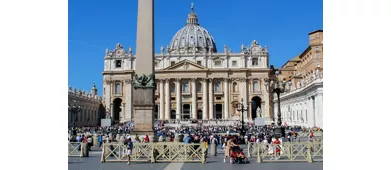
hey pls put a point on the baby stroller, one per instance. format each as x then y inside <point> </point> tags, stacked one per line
<point>238,157</point>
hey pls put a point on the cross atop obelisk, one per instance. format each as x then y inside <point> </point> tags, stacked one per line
<point>144,78</point>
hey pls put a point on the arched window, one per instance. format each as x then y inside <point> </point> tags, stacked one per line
<point>172,88</point>
<point>186,86</point>
<point>218,87</point>
<point>117,88</point>
<point>199,87</point>
<point>235,87</point>
<point>255,86</point>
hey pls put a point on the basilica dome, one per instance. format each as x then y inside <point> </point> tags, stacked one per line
<point>192,38</point>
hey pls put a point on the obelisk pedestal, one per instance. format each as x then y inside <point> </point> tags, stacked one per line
<point>144,78</point>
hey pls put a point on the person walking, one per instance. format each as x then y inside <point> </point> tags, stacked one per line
<point>129,149</point>
<point>228,148</point>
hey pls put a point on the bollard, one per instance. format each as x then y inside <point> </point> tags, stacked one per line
<point>213,149</point>
<point>181,137</point>
<point>95,141</point>
<point>117,137</point>
<point>176,138</point>
<point>84,149</point>
<point>161,139</point>
<point>121,140</point>
<point>110,137</point>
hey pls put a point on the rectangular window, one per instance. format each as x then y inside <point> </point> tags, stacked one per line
<point>199,98</point>
<point>218,98</point>
<point>255,61</point>
<point>217,63</point>
<point>234,63</point>
<point>118,63</point>
<point>172,98</point>
<point>199,62</point>
<point>172,63</point>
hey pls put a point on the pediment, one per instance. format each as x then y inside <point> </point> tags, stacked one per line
<point>186,65</point>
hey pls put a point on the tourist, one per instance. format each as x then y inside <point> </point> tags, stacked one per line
<point>100,140</point>
<point>277,146</point>
<point>129,149</point>
<point>228,148</point>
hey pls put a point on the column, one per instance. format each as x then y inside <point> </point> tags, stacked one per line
<point>161,98</point>
<point>211,99</point>
<point>112,111</point>
<point>312,117</point>
<point>204,99</point>
<point>319,110</point>
<point>107,97</point>
<point>244,95</point>
<point>194,98</point>
<point>226,99</point>
<point>178,98</point>
<point>167,95</point>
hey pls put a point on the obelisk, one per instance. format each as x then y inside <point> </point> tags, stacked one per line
<point>144,78</point>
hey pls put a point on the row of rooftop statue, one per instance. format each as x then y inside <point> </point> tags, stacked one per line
<point>243,49</point>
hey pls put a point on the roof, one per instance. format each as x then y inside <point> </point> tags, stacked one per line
<point>291,60</point>
<point>315,32</point>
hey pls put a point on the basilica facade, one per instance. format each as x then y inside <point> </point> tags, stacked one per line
<point>193,79</point>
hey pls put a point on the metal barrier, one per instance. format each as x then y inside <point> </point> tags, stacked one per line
<point>75,149</point>
<point>317,134</point>
<point>154,152</point>
<point>289,151</point>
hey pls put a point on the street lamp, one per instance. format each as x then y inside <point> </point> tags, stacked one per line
<point>242,109</point>
<point>74,110</point>
<point>275,86</point>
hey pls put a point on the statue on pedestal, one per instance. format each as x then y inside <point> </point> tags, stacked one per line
<point>242,48</point>
<point>162,49</point>
<point>130,50</point>
<point>259,111</point>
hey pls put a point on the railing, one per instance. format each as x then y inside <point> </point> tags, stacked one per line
<point>75,149</point>
<point>154,152</point>
<point>289,152</point>
<point>318,135</point>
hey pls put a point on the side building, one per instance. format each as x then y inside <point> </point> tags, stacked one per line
<point>302,105</point>
<point>91,108</point>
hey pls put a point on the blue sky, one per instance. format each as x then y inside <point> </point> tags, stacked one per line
<point>94,25</point>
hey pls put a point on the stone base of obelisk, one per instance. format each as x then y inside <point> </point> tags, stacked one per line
<point>143,104</point>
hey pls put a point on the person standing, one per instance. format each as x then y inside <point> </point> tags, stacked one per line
<point>277,146</point>
<point>205,145</point>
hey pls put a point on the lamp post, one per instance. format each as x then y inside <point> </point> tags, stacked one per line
<point>242,109</point>
<point>74,110</point>
<point>273,85</point>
